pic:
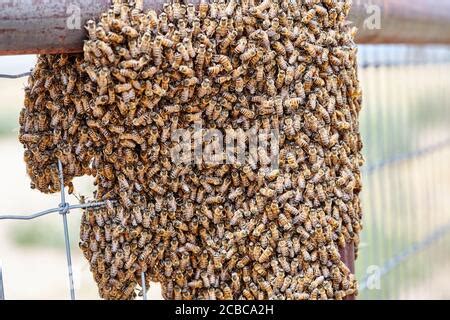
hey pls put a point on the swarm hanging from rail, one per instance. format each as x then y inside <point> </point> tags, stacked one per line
<point>208,231</point>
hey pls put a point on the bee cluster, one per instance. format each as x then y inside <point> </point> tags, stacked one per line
<point>51,123</point>
<point>208,231</point>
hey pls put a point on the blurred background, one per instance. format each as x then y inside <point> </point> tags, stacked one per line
<point>405,245</point>
<point>405,125</point>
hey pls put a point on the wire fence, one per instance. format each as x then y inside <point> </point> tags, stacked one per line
<point>405,126</point>
<point>14,76</point>
<point>2,290</point>
<point>63,209</point>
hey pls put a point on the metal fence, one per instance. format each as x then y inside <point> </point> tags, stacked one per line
<point>405,124</point>
<point>63,209</point>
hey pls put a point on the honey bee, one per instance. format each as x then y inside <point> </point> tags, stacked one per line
<point>225,62</point>
<point>320,193</point>
<point>91,29</point>
<point>266,254</point>
<point>265,286</point>
<point>284,222</point>
<point>291,160</point>
<point>105,49</point>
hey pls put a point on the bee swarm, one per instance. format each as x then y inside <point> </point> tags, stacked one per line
<point>224,231</point>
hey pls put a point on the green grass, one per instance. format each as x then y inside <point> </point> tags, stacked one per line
<point>47,232</point>
<point>8,122</point>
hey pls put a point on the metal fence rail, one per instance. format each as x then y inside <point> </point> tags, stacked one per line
<point>58,26</point>
<point>405,126</point>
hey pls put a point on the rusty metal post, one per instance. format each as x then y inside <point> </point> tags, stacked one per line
<point>46,26</point>
<point>348,257</point>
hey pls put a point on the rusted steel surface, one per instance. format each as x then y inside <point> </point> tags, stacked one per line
<point>402,21</point>
<point>348,257</point>
<point>43,26</point>
<point>50,26</point>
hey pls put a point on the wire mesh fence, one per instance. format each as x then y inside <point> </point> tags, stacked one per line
<point>405,126</point>
<point>63,209</point>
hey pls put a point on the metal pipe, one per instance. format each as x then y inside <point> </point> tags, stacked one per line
<point>401,21</point>
<point>42,26</point>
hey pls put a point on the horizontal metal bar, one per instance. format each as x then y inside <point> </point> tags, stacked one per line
<point>45,212</point>
<point>405,156</point>
<point>402,21</point>
<point>40,26</point>
<point>364,64</point>
<point>415,248</point>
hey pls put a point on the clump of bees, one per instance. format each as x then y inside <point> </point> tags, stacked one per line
<point>216,231</point>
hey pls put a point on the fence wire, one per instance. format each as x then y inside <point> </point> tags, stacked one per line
<point>63,209</point>
<point>14,76</point>
<point>2,290</point>
<point>405,125</point>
